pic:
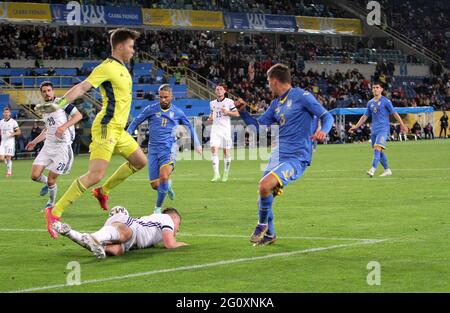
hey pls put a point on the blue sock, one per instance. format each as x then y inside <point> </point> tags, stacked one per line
<point>162,192</point>
<point>384,160</point>
<point>271,230</point>
<point>265,206</point>
<point>376,158</point>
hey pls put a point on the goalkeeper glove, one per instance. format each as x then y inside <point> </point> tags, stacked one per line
<point>52,106</point>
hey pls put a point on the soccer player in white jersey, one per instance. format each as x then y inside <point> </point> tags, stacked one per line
<point>56,156</point>
<point>122,233</point>
<point>9,129</point>
<point>221,110</point>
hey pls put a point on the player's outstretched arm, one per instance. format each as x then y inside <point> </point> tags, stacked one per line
<point>400,121</point>
<point>169,240</point>
<point>361,121</point>
<point>75,117</point>
<point>60,103</point>
<point>30,146</point>
<point>268,118</point>
<point>184,121</point>
<point>326,121</point>
<point>234,112</point>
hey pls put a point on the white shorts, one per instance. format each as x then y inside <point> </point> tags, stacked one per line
<point>57,159</point>
<point>7,149</point>
<point>124,219</point>
<point>220,139</point>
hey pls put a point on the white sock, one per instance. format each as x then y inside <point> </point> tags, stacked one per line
<point>42,179</point>
<point>106,233</point>
<point>215,163</point>
<point>226,164</point>
<point>76,237</point>
<point>52,190</point>
<point>9,166</point>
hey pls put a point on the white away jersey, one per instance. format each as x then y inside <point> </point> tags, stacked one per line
<point>6,128</point>
<point>53,121</point>
<point>221,121</point>
<point>149,229</point>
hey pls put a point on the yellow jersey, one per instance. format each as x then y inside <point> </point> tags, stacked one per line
<point>115,85</point>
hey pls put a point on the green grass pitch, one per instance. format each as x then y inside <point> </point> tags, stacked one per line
<point>331,223</point>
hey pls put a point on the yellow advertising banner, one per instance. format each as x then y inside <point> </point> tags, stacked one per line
<point>25,11</point>
<point>329,25</point>
<point>182,18</point>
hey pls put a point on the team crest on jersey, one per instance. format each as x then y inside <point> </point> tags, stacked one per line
<point>158,114</point>
<point>171,114</point>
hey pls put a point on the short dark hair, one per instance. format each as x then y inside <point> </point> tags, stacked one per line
<point>171,211</point>
<point>377,82</point>
<point>120,35</point>
<point>280,72</point>
<point>6,109</point>
<point>45,83</point>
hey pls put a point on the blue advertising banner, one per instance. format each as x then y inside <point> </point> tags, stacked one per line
<point>235,21</point>
<point>256,21</point>
<point>281,22</point>
<point>123,16</point>
<point>74,13</point>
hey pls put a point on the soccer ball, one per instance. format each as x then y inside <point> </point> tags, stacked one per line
<point>118,209</point>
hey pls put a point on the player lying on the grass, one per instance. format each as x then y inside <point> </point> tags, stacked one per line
<point>122,233</point>
<point>293,109</point>
<point>163,118</point>
<point>56,156</point>
<point>379,108</point>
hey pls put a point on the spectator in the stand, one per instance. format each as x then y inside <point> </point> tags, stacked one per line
<point>390,67</point>
<point>428,131</point>
<point>51,72</point>
<point>22,114</point>
<point>417,130</point>
<point>444,125</point>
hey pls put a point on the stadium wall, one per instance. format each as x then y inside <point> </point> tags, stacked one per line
<point>366,69</point>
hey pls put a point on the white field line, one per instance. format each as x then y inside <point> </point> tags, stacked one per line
<point>202,266</point>
<point>211,235</point>
<point>193,176</point>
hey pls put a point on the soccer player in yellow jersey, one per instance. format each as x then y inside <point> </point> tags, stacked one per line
<point>108,134</point>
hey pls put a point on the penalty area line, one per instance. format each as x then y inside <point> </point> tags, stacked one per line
<point>201,266</point>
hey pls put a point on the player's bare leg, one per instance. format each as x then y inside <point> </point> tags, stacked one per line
<point>215,163</point>
<point>37,176</point>
<point>8,162</point>
<point>226,164</point>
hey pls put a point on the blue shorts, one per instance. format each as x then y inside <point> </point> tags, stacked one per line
<point>158,159</point>
<point>379,140</point>
<point>286,170</point>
